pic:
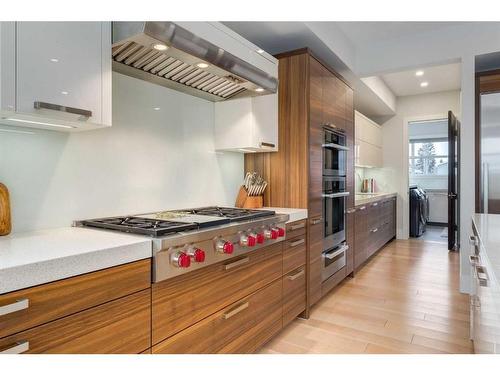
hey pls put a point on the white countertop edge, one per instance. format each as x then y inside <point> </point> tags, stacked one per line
<point>359,202</point>
<point>29,275</point>
<point>295,214</point>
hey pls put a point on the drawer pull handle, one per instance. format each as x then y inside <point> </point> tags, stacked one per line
<point>297,243</point>
<point>16,306</point>
<point>315,221</point>
<point>18,348</point>
<point>237,263</point>
<point>351,211</point>
<point>295,275</point>
<point>236,310</point>
<point>61,108</point>
<point>298,226</point>
<point>473,240</point>
<point>374,204</point>
<point>473,259</point>
<point>374,230</point>
<point>362,208</point>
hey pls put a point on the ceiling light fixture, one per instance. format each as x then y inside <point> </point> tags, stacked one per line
<point>202,65</point>
<point>38,123</point>
<point>160,47</point>
<point>260,50</point>
<point>64,92</point>
<point>424,84</point>
<point>54,60</point>
<point>259,89</point>
<point>419,73</point>
<point>156,108</point>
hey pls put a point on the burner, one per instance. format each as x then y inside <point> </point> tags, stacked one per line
<point>139,225</point>
<point>233,214</point>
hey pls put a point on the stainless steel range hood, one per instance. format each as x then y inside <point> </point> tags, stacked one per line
<point>169,55</point>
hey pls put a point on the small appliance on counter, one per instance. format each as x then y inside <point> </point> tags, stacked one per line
<point>251,192</point>
<point>369,185</point>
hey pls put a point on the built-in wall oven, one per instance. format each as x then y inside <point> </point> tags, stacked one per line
<point>334,202</point>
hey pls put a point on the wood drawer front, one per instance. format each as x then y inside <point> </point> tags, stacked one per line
<point>294,253</point>
<point>297,228</point>
<point>61,298</point>
<point>119,326</point>
<point>187,299</point>
<point>294,294</point>
<point>233,329</point>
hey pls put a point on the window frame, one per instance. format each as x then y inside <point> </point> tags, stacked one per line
<point>412,157</point>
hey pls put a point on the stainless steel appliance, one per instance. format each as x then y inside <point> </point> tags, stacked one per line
<point>187,240</point>
<point>167,54</point>
<point>333,260</point>
<point>334,153</point>
<point>334,197</point>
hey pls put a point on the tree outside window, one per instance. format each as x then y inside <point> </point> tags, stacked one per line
<point>428,157</point>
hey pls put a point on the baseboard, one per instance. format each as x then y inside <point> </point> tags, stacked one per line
<point>434,224</point>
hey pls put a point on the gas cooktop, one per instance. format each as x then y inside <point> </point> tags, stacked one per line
<point>159,224</point>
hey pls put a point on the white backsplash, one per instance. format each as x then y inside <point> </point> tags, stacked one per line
<point>148,160</point>
<point>383,178</point>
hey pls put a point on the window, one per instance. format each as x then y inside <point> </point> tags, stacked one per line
<point>428,157</point>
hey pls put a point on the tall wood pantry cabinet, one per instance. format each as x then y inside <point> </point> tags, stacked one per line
<point>311,96</point>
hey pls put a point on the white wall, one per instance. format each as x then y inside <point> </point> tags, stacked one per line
<point>148,160</point>
<point>395,141</point>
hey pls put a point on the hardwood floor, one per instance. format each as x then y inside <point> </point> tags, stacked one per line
<point>404,300</point>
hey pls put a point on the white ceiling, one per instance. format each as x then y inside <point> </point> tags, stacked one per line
<point>361,33</point>
<point>440,78</point>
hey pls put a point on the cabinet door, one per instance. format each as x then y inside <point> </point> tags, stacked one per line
<point>265,114</point>
<point>61,63</point>
<point>334,91</point>
<point>360,236</point>
<point>368,154</point>
<point>315,260</point>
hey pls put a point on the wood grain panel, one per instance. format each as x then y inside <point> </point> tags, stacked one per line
<point>54,300</point>
<point>119,326</point>
<point>294,253</point>
<point>187,299</point>
<point>489,83</point>
<point>294,294</point>
<point>315,231</point>
<point>239,328</point>
<point>296,228</point>
<point>360,236</point>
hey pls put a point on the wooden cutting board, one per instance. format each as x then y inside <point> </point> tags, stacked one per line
<point>5,222</point>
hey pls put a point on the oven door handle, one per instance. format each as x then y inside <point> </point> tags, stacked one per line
<point>336,195</point>
<point>334,145</point>
<point>343,249</point>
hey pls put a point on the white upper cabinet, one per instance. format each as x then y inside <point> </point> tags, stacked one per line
<point>247,124</point>
<point>368,145</point>
<point>62,74</point>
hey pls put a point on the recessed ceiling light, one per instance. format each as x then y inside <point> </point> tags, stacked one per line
<point>64,92</point>
<point>259,89</point>
<point>156,108</point>
<point>260,51</point>
<point>419,73</point>
<point>160,47</point>
<point>202,65</point>
<point>424,84</point>
<point>54,60</point>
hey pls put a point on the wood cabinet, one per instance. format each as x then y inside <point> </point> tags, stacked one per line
<point>311,97</point>
<point>238,328</point>
<point>107,311</point>
<point>247,124</point>
<point>61,74</point>
<point>375,225</point>
<point>368,147</point>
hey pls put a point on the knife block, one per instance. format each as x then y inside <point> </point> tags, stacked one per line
<point>243,200</point>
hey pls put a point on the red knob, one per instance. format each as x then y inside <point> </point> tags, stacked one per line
<point>199,256</point>
<point>182,260</point>
<point>281,232</point>
<point>274,233</point>
<point>260,238</point>
<point>227,247</point>
<point>251,241</point>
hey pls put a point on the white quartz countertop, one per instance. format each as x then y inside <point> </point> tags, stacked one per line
<point>295,214</point>
<point>488,229</point>
<point>33,258</point>
<point>365,198</point>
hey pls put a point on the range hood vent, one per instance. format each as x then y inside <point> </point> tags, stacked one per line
<point>188,63</point>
